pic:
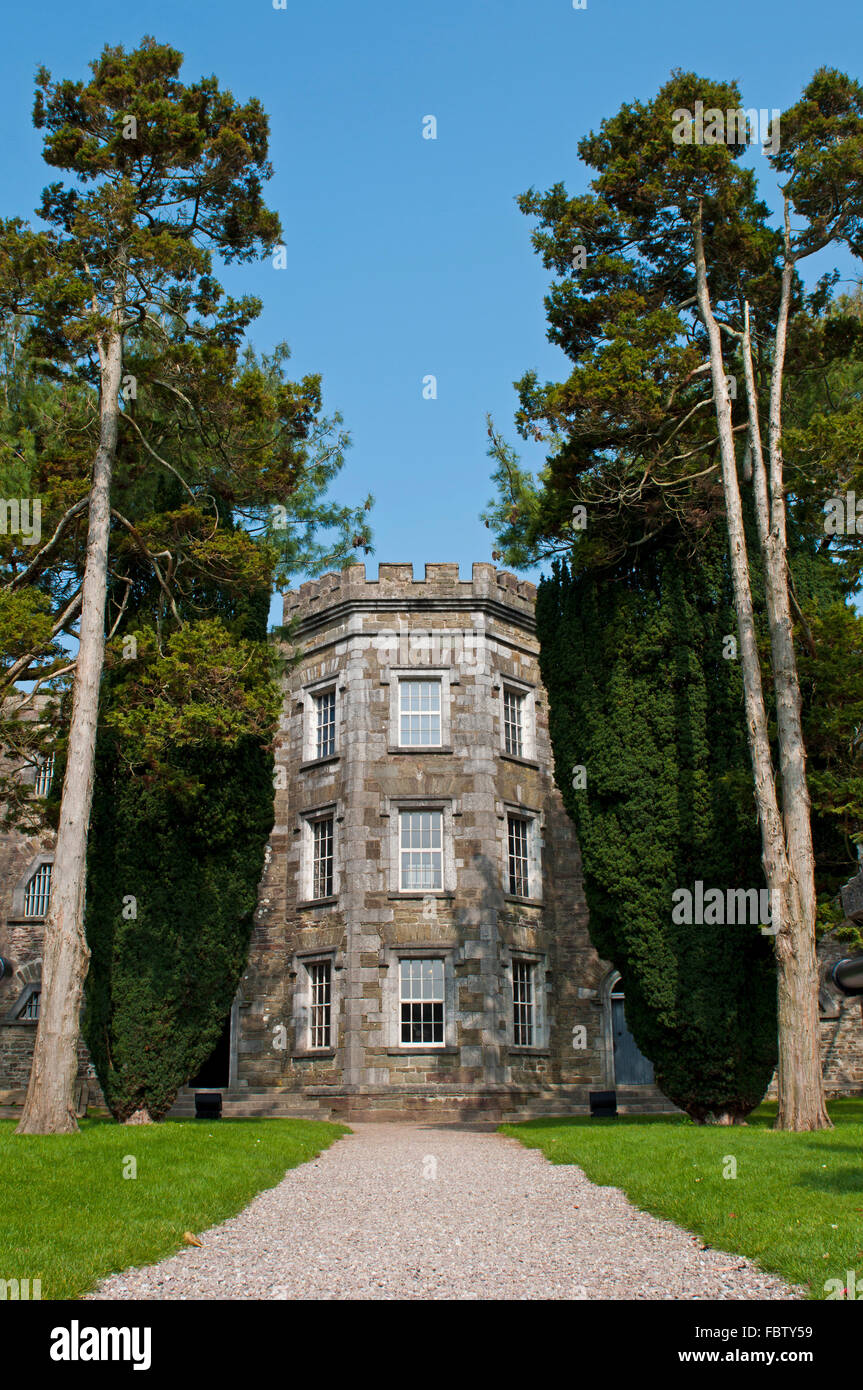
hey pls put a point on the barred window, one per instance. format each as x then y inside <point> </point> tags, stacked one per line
<point>422,1002</point>
<point>44,776</point>
<point>37,892</point>
<point>321,1004</point>
<point>421,851</point>
<point>420,713</point>
<point>519,878</point>
<point>325,728</point>
<point>522,1003</point>
<point>30,1011</point>
<point>322,857</point>
<point>513,708</point>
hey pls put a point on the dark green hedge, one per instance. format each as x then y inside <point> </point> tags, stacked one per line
<point>641,695</point>
<point>186,840</point>
<point>161,983</point>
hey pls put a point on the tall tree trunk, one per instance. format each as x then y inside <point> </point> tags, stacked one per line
<point>801,1083</point>
<point>801,1093</point>
<point>50,1104</point>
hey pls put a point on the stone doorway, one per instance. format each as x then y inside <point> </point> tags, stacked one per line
<point>631,1067</point>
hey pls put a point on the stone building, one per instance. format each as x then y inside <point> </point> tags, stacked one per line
<point>421,943</point>
<point>420,946</point>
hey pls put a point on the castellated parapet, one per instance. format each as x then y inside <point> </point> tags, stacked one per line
<point>396,585</point>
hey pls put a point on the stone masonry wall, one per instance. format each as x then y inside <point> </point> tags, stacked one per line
<point>21,948</point>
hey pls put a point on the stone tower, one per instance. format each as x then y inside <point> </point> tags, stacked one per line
<point>421,941</point>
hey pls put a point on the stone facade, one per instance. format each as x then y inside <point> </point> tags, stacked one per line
<point>363,641</point>
<point>352,924</point>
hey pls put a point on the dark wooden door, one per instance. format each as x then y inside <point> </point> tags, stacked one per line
<point>631,1067</point>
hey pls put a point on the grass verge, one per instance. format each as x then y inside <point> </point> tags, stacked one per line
<point>70,1215</point>
<point>791,1202</point>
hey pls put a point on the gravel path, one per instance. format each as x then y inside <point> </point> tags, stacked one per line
<point>422,1211</point>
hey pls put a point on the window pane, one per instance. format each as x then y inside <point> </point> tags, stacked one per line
<point>422,1001</point>
<point>322,858</point>
<point>522,1000</point>
<point>30,1011</point>
<point>513,706</point>
<point>38,892</point>
<point>320,1009</point>
<point>325,731</point>
<point>420,713</point>
<point>421,851</point>
<point>44,776</point>
<point>519,883</point>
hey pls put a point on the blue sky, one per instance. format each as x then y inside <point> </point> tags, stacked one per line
<point>408,257</point>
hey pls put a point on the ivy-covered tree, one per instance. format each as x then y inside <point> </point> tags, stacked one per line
<point>182,810</point>
<point>650,756</point>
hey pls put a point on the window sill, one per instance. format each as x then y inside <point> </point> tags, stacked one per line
<point>422,1050</point>
<point>411,896</point>
<point>420,748</point>
<point>525,902</point>
<point>529,1051</point>
<point>317,902</point>
<point>319,762</point>
<point>522,762</point>
<point>323,1054</point>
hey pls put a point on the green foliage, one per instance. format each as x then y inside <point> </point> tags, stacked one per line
<point>208,689</point>
<point>172,889</point>
<point>641,695</point>
<point>632,431</point>
<point>831,680</point>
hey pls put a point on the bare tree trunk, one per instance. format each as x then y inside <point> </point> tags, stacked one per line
<point>775,864</point>
<point>801,1084</point>
<point>50,1104</point>
<point>801,1095</point>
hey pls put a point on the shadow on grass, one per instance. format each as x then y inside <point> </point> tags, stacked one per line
<point>844,1181</point>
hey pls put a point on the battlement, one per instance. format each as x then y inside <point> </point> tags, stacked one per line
<point>395,583</point>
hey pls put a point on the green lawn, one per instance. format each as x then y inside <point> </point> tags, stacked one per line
<point>795,1206</point>
<point>68,1216</point>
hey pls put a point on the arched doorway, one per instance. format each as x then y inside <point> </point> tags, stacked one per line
<point>631,1067</point>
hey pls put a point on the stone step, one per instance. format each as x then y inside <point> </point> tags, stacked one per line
<point>263,1103</point>
<point>447,1105</point>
